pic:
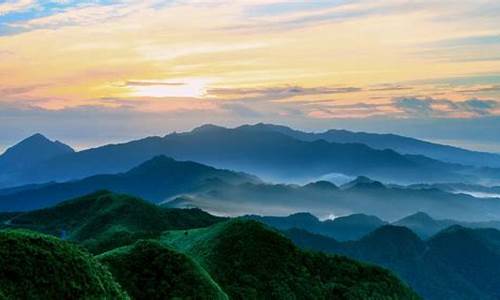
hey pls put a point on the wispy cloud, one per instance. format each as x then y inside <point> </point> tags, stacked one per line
<point>16,6</point>
<point>428,107</point>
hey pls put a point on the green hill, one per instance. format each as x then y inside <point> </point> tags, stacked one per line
<point>250,261</point>
<point>37,266</point>
<point>150,270</point>
<point>102,221</point>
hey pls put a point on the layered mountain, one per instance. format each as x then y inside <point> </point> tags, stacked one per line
<point>269,154</point>
<point>401,144</point>
<point>157,179</point>
<point>351,227</point>
<point>229,251</point>
<point>181,184</point>
<point>102,221</point>
<point>425,226</point>
<point>457,263</point>
<point>361,196</point>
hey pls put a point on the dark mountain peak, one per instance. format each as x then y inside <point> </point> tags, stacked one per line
<point>208,128</point>
<point>363,182</point>
<point>417,217</point>
<point>322,185</point>
<point>267,126</point>
<point>39,140</point>
<point>32,150</point>
<point>37,136</point>
<point>392,241</point>
<point>155,163</point>
<point>391,233</point>
<point>304,217</point>
<point>455,230</point>
<point>361,219</point>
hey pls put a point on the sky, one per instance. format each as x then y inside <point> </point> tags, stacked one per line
<point>93,72</point>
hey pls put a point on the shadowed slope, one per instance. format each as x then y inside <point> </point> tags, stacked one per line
<point>36,266</point>
<point>250,261</point>
<point>102,221</point>
<point>149,270</point>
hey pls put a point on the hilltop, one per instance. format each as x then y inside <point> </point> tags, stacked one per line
<point>229,251</point>
<point>37,266</point>
<point>103,220</point>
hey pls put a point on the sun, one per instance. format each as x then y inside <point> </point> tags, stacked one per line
<point>183,88</point>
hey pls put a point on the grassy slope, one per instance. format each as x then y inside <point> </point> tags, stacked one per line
<point>150,270</point>
<point>250,261</point>
<point>102,221</point>
<point>36,266</point>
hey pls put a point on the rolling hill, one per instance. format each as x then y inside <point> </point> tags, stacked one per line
<point>102,221</point>
<point>229,251</point>
<point>216,262</point>
<point>37,266</point>
<point>150,270</point>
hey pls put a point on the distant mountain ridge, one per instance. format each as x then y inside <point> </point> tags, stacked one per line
<point>182,184</point>
<point>351,227</point>
<point>157,179</point>
<point>401,144</point>
<point>362,195</point>
<point>355,226</point>
<point>426,226</point>
<point>272,154</point>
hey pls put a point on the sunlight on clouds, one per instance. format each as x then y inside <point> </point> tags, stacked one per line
<point>190,88</point>
<point>135,51</point>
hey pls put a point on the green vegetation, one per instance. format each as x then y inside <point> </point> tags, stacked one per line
<point>37,266</point>
<point>150,270</point>
<point>103,221</point>
<point>154,253</point>
<point>458,263</point>
<point>250,261</point>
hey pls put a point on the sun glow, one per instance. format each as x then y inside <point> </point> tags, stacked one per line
<point>187,87</point>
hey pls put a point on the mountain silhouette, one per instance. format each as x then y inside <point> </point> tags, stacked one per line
<point>30,151</point>
<point>267,153</point>
<point>157,179</point>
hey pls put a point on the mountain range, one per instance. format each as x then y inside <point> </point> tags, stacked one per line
<point>184,184</point>
<point>355,226</point>
<point>271,152</point>
<point>351,227</point>
<point>324,199</point>
<point>456,263</point>
<point>157,179</point>
<point>398,143</point>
